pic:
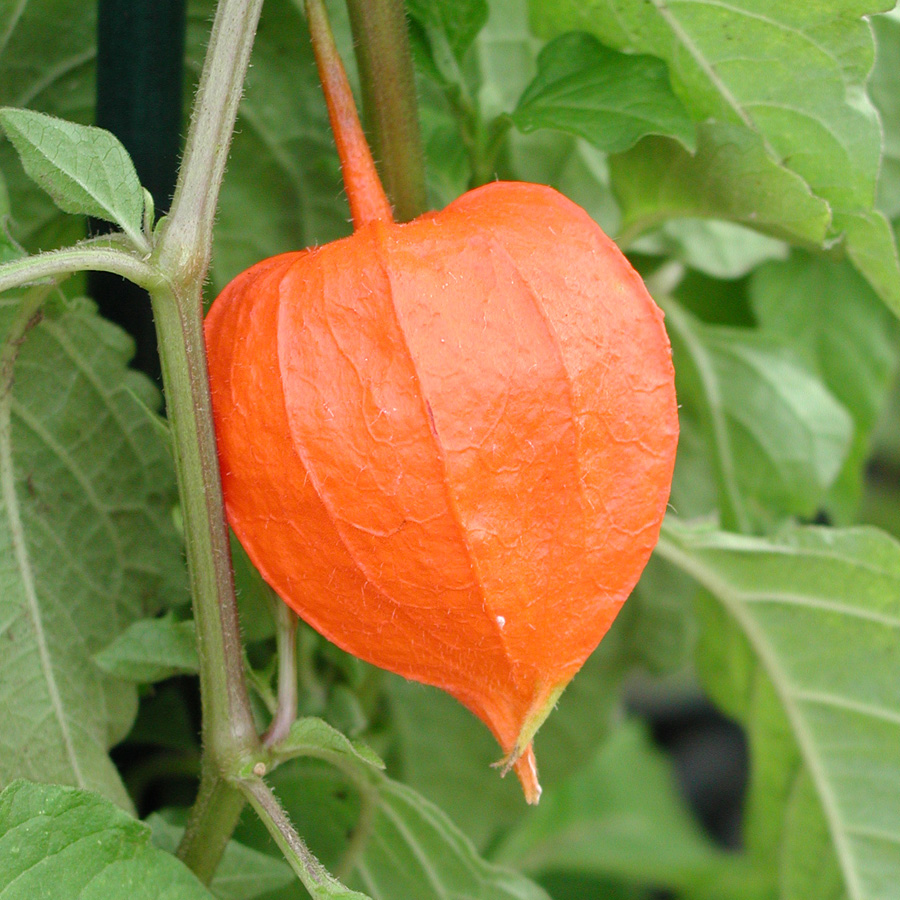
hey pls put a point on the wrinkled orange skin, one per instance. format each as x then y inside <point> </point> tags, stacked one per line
<point>448,444</point>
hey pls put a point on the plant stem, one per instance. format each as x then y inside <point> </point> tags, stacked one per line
<point>228,728</point>
<point>182,253</point>
<point>315,877</point>
<point>387,76</point>
<point>286,622</point>
<point>213,818</point>
<point>186,241</point>
<point>61,263</point>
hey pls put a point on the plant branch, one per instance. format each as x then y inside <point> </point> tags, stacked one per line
<point>228,728</point>
<point>213,818</point>
<point>387,77</point>
<point>186,242</point>
<point>182,253</point>
<point>314,876</point>
<point>61,263</point>
<point>286,622</point>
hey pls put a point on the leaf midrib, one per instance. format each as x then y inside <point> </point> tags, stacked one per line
<point>10,500</point>
<point>732,602</point>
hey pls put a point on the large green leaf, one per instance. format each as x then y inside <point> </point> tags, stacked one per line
<point>840,329</point>
<point>282,190</point>
<point>793,74</point>
<point>506,54</point>
<point>383,838</point>
<point>872,248</point>
<point>47,55</point>
<point>73,845</point>
<point>611,99</point>
<point>719,249</point>
<point>730,177</point>
<point>884,88</point>
<point>448,25</point>
<point>622,818</point>
<point>805,649</point>
<point>776,438</point>
<point>152,650</point>
<point>87,541</point>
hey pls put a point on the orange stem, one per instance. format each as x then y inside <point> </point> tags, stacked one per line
<point>368,202</point>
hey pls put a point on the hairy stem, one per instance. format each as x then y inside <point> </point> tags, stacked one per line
<point>228,728</point>
<point>182,253</point>
<point>386,73</point>
<point>314,876</point>
<point>186,242</point>
<point>213,818</point>
<point>56,264</point>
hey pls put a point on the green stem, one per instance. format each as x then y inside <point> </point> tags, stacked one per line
<point>183,252</point>
<point>186,239</point>
<point>314,876</point>
<point>286,623</point>
<point>387,77</point>
<point>61,263</point>
<point>214,816</point>
<point>228,728</point>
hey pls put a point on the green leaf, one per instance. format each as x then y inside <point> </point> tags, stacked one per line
<point>9,250</point>
<point>718,249</point>
<point>73,845</point>
<point>658,622</point>
<point>872,248</point>
<point>87,542</point>
<point>445,753</point>
<point>884,89</point>
<point>622,818</point>
<point>243,873</point>
<point>730,177</point>
<point>841,330</point>
<point>776,438</point>
<point>418,854</point>
<point>86,170</point>
<point>383,838</point>
<point>505,56</point>
<point>611,99</point>
<point>152,650</point>
<point>811,664</point>
<point>450,23</point>
<point>47,63</point>
<point>282,190</point>
<point>311,736</point>
<point>791,74</point>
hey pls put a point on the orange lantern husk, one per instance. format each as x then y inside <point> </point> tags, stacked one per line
<point>448,444</point>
